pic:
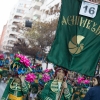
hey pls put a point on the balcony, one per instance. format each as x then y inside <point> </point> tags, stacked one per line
<point>22,8</point>
<point>9,39</point>
<point>10,45</point>
<point>52,3</point>
<point>36,5</point>
<point>13,26</point>
<point>8,48</point>
<point>12,39</point>
<point>14,33</point>
<point>17,20</point>
<point>5,50</point>
<point>11,42</point>
<point>37,14</point>
<point>19,14</point>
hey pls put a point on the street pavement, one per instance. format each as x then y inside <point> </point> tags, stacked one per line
<point>2,88</point>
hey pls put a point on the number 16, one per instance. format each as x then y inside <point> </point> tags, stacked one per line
<point>91,10</point>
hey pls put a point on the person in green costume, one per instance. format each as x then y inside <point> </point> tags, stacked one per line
<point>53,88</point>
<point>17,88</point>
<point>79,93</point>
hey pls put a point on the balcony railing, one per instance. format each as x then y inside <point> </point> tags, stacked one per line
<point>12,39</point>
<point>13,26</point>
<point>14,32</point>
<point>36,5</point>
<point>19,14</point>
<point>10,45</point>
<point>17,20</point>
<point>37,13</point>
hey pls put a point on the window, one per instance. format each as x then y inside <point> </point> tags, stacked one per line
<point>26,6</point>
<point>21,5</point>
<point>20,11</point>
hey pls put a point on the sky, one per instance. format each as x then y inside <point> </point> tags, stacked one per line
<point>5,8</point>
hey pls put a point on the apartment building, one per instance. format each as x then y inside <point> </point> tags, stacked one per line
<point>13,31</point>
<point>34,13</point>
<point>43,10</point>
<point>28,10</point>
<point>2,36</point>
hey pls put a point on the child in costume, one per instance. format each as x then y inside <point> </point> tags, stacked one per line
<point>17,87</point>
<point>53,88</point>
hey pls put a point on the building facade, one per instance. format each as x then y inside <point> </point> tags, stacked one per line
<point>13,31</point>
<point>28,10</point>
<point>2,37</point>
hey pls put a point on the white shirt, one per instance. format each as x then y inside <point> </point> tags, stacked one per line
<point>59,86</point>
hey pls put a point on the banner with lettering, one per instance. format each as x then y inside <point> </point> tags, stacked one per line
<point>76,46</point>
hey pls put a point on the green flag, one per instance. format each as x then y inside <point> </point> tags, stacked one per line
<point>76,46</point>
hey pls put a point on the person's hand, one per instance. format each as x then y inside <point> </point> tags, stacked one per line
<point>64,85</point>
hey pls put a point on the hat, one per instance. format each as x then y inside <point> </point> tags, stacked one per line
<point>20,64</point>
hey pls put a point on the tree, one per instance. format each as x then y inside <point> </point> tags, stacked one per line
<point>41,35</point>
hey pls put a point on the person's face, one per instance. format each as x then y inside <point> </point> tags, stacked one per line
<point>95,82</point>
<point>60,74</point>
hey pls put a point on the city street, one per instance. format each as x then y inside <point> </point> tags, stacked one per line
<point>50,50</point>
<point>2,88</point>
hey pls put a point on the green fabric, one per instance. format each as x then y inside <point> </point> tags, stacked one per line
<point>48,94</point>
<point>25,87</point>
<point>76,93</point>
<point>4,73</point>
<point>34,87</point>
<point>77,42</point>
<point>79,93</point>
<point>6,92</point>
<point>12,89</point>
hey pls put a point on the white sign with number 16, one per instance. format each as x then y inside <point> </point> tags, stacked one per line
<point>88,9</point>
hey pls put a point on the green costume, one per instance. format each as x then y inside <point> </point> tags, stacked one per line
<point>51,91</point>
<point>79,93</point>
<point>4,72</point>
<point>15,90</point>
